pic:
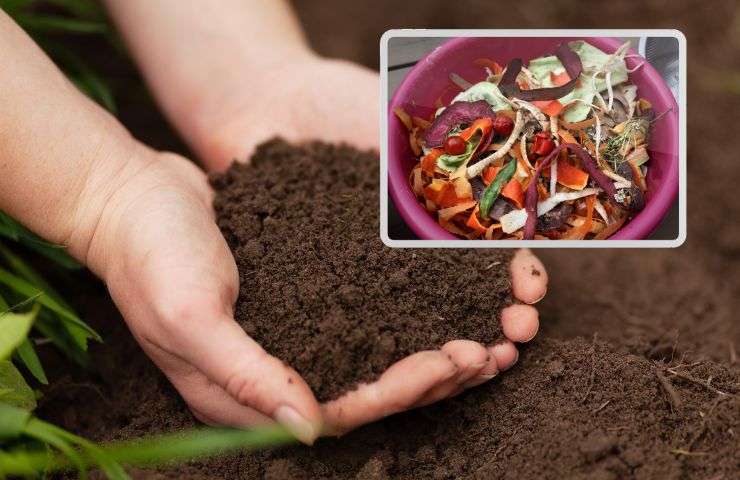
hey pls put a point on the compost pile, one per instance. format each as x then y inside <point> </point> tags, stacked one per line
<point>318,288</point>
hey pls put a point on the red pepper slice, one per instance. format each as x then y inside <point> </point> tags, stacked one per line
<point>543,144</point>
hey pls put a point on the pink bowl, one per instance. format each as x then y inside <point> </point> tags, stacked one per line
<point>430,78</point>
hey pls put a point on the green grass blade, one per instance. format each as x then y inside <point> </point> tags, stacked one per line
<point>8,227</point>
<point>94,87</point>
<point>3,305</point>
<point>198,443</point>
<point>195,444</point>
<point>14,390</point>
<point>28,356</point>
<point>77,328</point>
<point>41,23</point>
<point>25,271</point>
<point>20,463</point>
<point>12,6</point>
<point>44,432</point>
<point>80,73</point>
<point>13,230</point>
<point>14,328</point>
<point>13,421</point>
<point>80,8</point>
<point>50,327</point>
<point>56,253</point>
<point>112,469</point>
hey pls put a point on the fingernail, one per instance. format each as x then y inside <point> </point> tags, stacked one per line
<point>301,428</point>
<point>530,339</point>
<point>538,300</point>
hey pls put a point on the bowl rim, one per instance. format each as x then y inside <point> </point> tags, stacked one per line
<point>425,226</point>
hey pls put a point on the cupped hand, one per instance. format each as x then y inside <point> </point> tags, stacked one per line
<point>430,376</point>
<point>171,274</point>
<point>337,101</point>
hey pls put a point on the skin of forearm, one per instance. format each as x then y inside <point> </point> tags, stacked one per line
<point>193,53</point>
<point>61,156</point>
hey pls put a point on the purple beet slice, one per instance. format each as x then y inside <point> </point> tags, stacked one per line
<point>456,114</point>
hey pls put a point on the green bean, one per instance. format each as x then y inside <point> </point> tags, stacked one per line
<point>490,194</point>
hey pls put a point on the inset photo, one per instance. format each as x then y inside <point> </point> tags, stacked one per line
<point>495,138</point>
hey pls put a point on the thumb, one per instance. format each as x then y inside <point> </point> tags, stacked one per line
<point>228,357</point>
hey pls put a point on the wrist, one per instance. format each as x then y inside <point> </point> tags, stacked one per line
<point>107,176</point>
<point>213,120</point>
<point>147,183</point>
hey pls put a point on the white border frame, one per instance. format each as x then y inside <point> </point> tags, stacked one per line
<point>396,33</point>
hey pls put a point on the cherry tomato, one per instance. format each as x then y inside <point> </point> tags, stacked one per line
<point>455,145</point>
<point>503,125</point>
<point>543,144</point>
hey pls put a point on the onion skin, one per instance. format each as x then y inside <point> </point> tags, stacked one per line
<point>589,164</point>
<point>567,57</point>
<point>455,114</point>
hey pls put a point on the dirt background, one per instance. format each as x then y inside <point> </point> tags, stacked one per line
<point>574,407</point>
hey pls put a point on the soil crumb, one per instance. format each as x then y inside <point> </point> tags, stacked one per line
<point>320,291</point>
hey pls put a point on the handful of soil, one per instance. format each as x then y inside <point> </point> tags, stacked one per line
<point>320,291</point>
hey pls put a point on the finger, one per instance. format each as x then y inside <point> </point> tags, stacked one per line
<point>438,393</point>
<point>399,388</point>
<point>520,322</point>
<point>212,405</point>
<point>240,367</point>
<point>528,277</point>
<point>489,371</point>
<point>506,355</point>
<point>469,356</point>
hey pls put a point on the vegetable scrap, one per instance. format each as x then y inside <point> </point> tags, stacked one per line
<point>556,149</point>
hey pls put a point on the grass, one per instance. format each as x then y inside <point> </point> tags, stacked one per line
<point>79,454</point>
<point>33,312</point>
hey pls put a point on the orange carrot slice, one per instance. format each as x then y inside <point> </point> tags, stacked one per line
<point>559,79</point>
<point>571,177</point>
<point>580,232</point>
<point>474,223</point>
<point>489,173</point>
<point>513,191</point>
<point>429,161</point>
<point>404,117</point>
<point>487,62</point>
<point>567,137</point>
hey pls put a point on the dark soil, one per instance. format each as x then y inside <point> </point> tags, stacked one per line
<point>548,417</point>
<point>318,288</point>
<point>634,401</point>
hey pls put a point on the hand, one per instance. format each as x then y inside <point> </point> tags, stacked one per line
<point>303,98</point>
<point>171,274</point>
<point>173,277</point>
<point>430,376</point>
<point>313,98</point>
